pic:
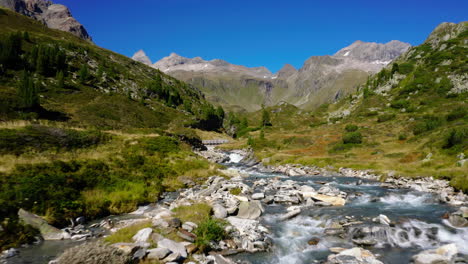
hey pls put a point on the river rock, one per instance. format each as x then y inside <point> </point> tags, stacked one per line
<point>258,196</point>
<point>382,219</point>
<point>355,256</point>
<point>189,226</point>
<point>219,211</point>
<point>158,253</point>
<point>459,218</point>
<point>126,248</point>
<point>174,247</point>
<point>186,235</point>
<point>250,210</point>
<point>47,231</point>
<point>9,253</point>
<point>336,201</point>
<point>441,255</point>
<point>142,235</point>
<point>292,213</point>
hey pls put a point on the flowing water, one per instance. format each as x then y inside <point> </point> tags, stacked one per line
<point>418,217</point>
<point>418,222</point>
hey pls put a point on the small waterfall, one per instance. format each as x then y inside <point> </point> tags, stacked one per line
<point>408,199</point>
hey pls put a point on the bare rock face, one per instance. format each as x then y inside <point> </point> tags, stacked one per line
<point>55,16</point>
<point>141,57</point>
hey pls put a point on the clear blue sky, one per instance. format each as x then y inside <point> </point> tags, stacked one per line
<point>257,32</point>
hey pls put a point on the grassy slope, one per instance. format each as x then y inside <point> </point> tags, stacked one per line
<point>399,144</point>
<point>104,100</point>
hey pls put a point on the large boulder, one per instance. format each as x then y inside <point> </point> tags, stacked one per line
<point>174,247</point>
<point>250,210</point>
<point>459,218</point>
<point>158,253</point>
<point>93,253</point>
<point>219,211</point>
<point>143,235</point>
<point>441,255</point>
<point>47,231</point>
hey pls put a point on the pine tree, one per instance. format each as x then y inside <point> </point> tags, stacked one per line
<point>84,74</point>
<point>28,92</point>
<point>265,118</point>
<point>60,80</point>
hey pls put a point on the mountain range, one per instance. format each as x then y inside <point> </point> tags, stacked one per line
<point>52,15</point>
<point>322,79</point>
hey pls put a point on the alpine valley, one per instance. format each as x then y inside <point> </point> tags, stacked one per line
<point>355,158</point>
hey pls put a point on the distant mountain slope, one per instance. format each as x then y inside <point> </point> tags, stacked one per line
<point>51,74</point>
<point>321,79</point>
<point>55,16</point>
<point>411,118</point>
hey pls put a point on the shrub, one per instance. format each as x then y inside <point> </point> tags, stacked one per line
<point>458,136</point>
<point>162,144</point>
<point>428,123</point>
<point>235,191</point>
<point>405,68</point>
<point>351,128</point>
<point>400,104</point>
<point>456,113</point>
<point>402,136</point>
<point>352,138</point>
<point>15,234</point>
<point>40,138</point>
<point>385,117</point>
<point>207,231</point>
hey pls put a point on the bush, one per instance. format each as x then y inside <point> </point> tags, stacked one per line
<point>235,191</point>
<point>405,68</point>
<point>15,234</point>
<point>351,128</point>
<point>402,136</point>
<point>40,138</point>
<point>352,138</point>
<point>207,231</point>
<point>456,113</point>
<point>162,144</point>
<point>458,136</point>
<point>427,124</point>
<point>385,117</point>
<point>400,104</point>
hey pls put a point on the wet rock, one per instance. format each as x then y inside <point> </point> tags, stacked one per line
<point>269,199</point>
<point>47,231</point>
<point>9,253</point>
<point>219,259</point>
<point>142,235</point>
<point>250,210</point>
<point>80,220</point>
<point>174,247</point>
<point>365,242</point>
<point>219,211</point>
<point>382,219</point>
<point>336,201</point>
<point>158,253</point>
<point>355,256</point>
<point>441,255</point>
<point>292,213</point>
<point>459,218</point>
<point>313,241</point>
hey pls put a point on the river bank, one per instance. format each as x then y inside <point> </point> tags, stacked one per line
<point>297,214</point>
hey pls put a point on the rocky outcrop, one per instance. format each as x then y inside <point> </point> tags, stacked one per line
<point>47,231</point>
<point>54,16</point>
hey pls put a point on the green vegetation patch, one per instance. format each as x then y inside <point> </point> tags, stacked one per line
<point>38,138</point>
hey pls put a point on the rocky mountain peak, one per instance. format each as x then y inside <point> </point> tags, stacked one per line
<point>286,71</point>
<point>55,16</point>
<point>141,57</point>
<point>446,31</point>
<point>373,52</point>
